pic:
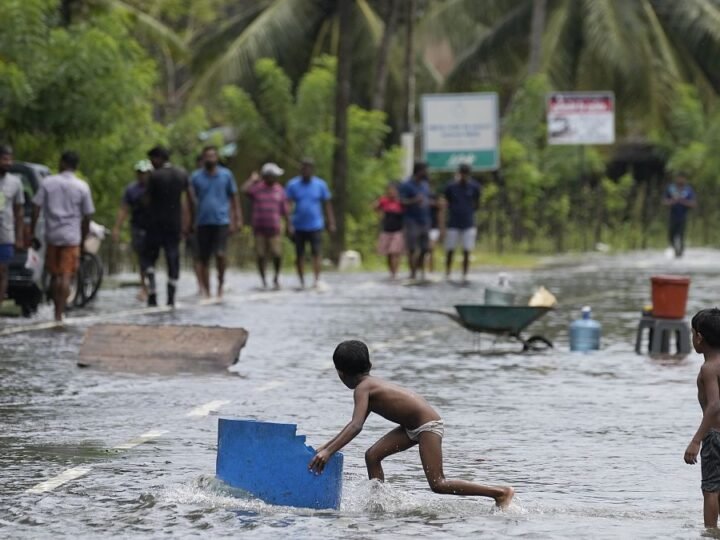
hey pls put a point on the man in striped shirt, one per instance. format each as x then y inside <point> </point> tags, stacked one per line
<point>269,209</point>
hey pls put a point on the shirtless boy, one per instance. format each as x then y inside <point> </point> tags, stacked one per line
<point>418,423</point>
<point>706,340</point>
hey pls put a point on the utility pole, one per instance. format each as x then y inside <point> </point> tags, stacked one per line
<point>342,102</point>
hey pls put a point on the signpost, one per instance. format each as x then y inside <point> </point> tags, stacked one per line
<point>581,118</point>
<point>461,128</point>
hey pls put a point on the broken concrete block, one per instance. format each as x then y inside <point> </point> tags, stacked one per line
<point>270,461</point>
<point>161,349</point>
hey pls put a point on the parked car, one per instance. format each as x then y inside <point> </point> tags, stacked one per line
<point>22,289</point>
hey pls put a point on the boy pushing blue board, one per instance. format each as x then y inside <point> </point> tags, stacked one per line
<point>418,423</point>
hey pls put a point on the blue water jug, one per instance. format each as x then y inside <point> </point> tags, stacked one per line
<point>585,332</point>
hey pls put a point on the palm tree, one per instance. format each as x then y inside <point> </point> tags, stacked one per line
<point>292,32</point>
<point>537,27</point>
<point>641,49</point>
<point>342,102</point>
<point>381,69</point>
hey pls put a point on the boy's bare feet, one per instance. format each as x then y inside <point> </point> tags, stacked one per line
<point>504,501</point>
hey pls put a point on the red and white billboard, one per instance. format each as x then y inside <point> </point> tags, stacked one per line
<point>581,118</point>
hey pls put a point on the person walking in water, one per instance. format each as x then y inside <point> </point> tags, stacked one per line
<point>680,197</point>
<point>417,424</point>
<point>66,203</point>
<point>391,243</point>
<point>463,200</point>
<point>218,215</point>
<point>269,210</point>
<point>12,213</point>
<point>133,204</point>
<point>309,196</point>
<point>415,198</point>
<point>164,195</point>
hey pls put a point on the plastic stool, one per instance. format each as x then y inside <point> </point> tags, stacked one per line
<point>660,333</point>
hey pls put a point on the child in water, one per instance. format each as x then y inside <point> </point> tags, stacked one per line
<point>418,423</point>
<point>706,340</point>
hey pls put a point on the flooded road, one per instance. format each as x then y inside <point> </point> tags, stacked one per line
<point>593,444</point>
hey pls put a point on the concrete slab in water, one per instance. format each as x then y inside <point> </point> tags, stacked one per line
<point>161,349</point>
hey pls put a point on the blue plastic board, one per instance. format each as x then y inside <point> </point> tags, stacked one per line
<point>270,461</point>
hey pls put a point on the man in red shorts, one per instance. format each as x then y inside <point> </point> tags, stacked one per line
<point>67,205</point>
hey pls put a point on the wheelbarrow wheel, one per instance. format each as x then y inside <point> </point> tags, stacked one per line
<point>537,343</point>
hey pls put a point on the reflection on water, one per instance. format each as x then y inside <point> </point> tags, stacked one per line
<point>593,443</point>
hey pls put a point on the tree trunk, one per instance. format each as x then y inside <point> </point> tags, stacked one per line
<point>66,12</point>
<point>342,102</point>
<point>381,69</point>
<point>537,29</point>
<point>410,67</point>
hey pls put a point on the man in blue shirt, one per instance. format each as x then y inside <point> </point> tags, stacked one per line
<point>463,199</point>
<point>218,215</point>
<point>133,204</point>
<point>680,197</point>
<point>308,195</point>
<point>415,198</point>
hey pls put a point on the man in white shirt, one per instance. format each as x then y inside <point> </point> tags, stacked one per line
<point>67,205</point>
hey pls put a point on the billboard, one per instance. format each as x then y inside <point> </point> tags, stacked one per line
<point>581,118</point>
<point>460,128</point>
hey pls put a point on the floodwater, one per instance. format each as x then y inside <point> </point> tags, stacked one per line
<point>593,444</point>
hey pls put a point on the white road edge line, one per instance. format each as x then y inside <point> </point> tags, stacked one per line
<point>62,478</point>
<point>137,441</point>
<point>207,408</point>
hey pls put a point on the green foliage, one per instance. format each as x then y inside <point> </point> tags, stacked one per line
<point>183,136</point>
<point>273,124</point>
<point>88,87</point>
<point>525,120</point>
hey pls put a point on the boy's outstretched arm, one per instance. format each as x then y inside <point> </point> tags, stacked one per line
<point>710,414</point>
<point>348,433</point>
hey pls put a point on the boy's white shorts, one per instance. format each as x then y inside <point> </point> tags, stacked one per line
<point>466,237</point>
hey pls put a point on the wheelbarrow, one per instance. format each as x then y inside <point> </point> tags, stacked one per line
<point>507,321</point>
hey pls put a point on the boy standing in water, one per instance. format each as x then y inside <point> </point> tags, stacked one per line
<point>418,423</point>
<point>706,340</point>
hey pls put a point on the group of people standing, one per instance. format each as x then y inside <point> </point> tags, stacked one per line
<point>414,219</point>
<point>66,205</point>
<point>165,204</point>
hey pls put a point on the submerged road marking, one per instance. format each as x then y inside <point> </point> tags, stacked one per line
<point>270,385</point>
<point>74,473</point>
<point>141,439</point>
<point>62,478</point>
<point>207,408</point>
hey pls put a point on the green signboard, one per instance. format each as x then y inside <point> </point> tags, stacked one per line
<point>460,129</point>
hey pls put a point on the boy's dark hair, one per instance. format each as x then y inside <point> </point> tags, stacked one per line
<point>159,152</point>
<point>208,148</point>
<point>352,358</point>
<point>707,323</point>
<point>70,159</point>
<point>6,150</point>
<point>419,166</point>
